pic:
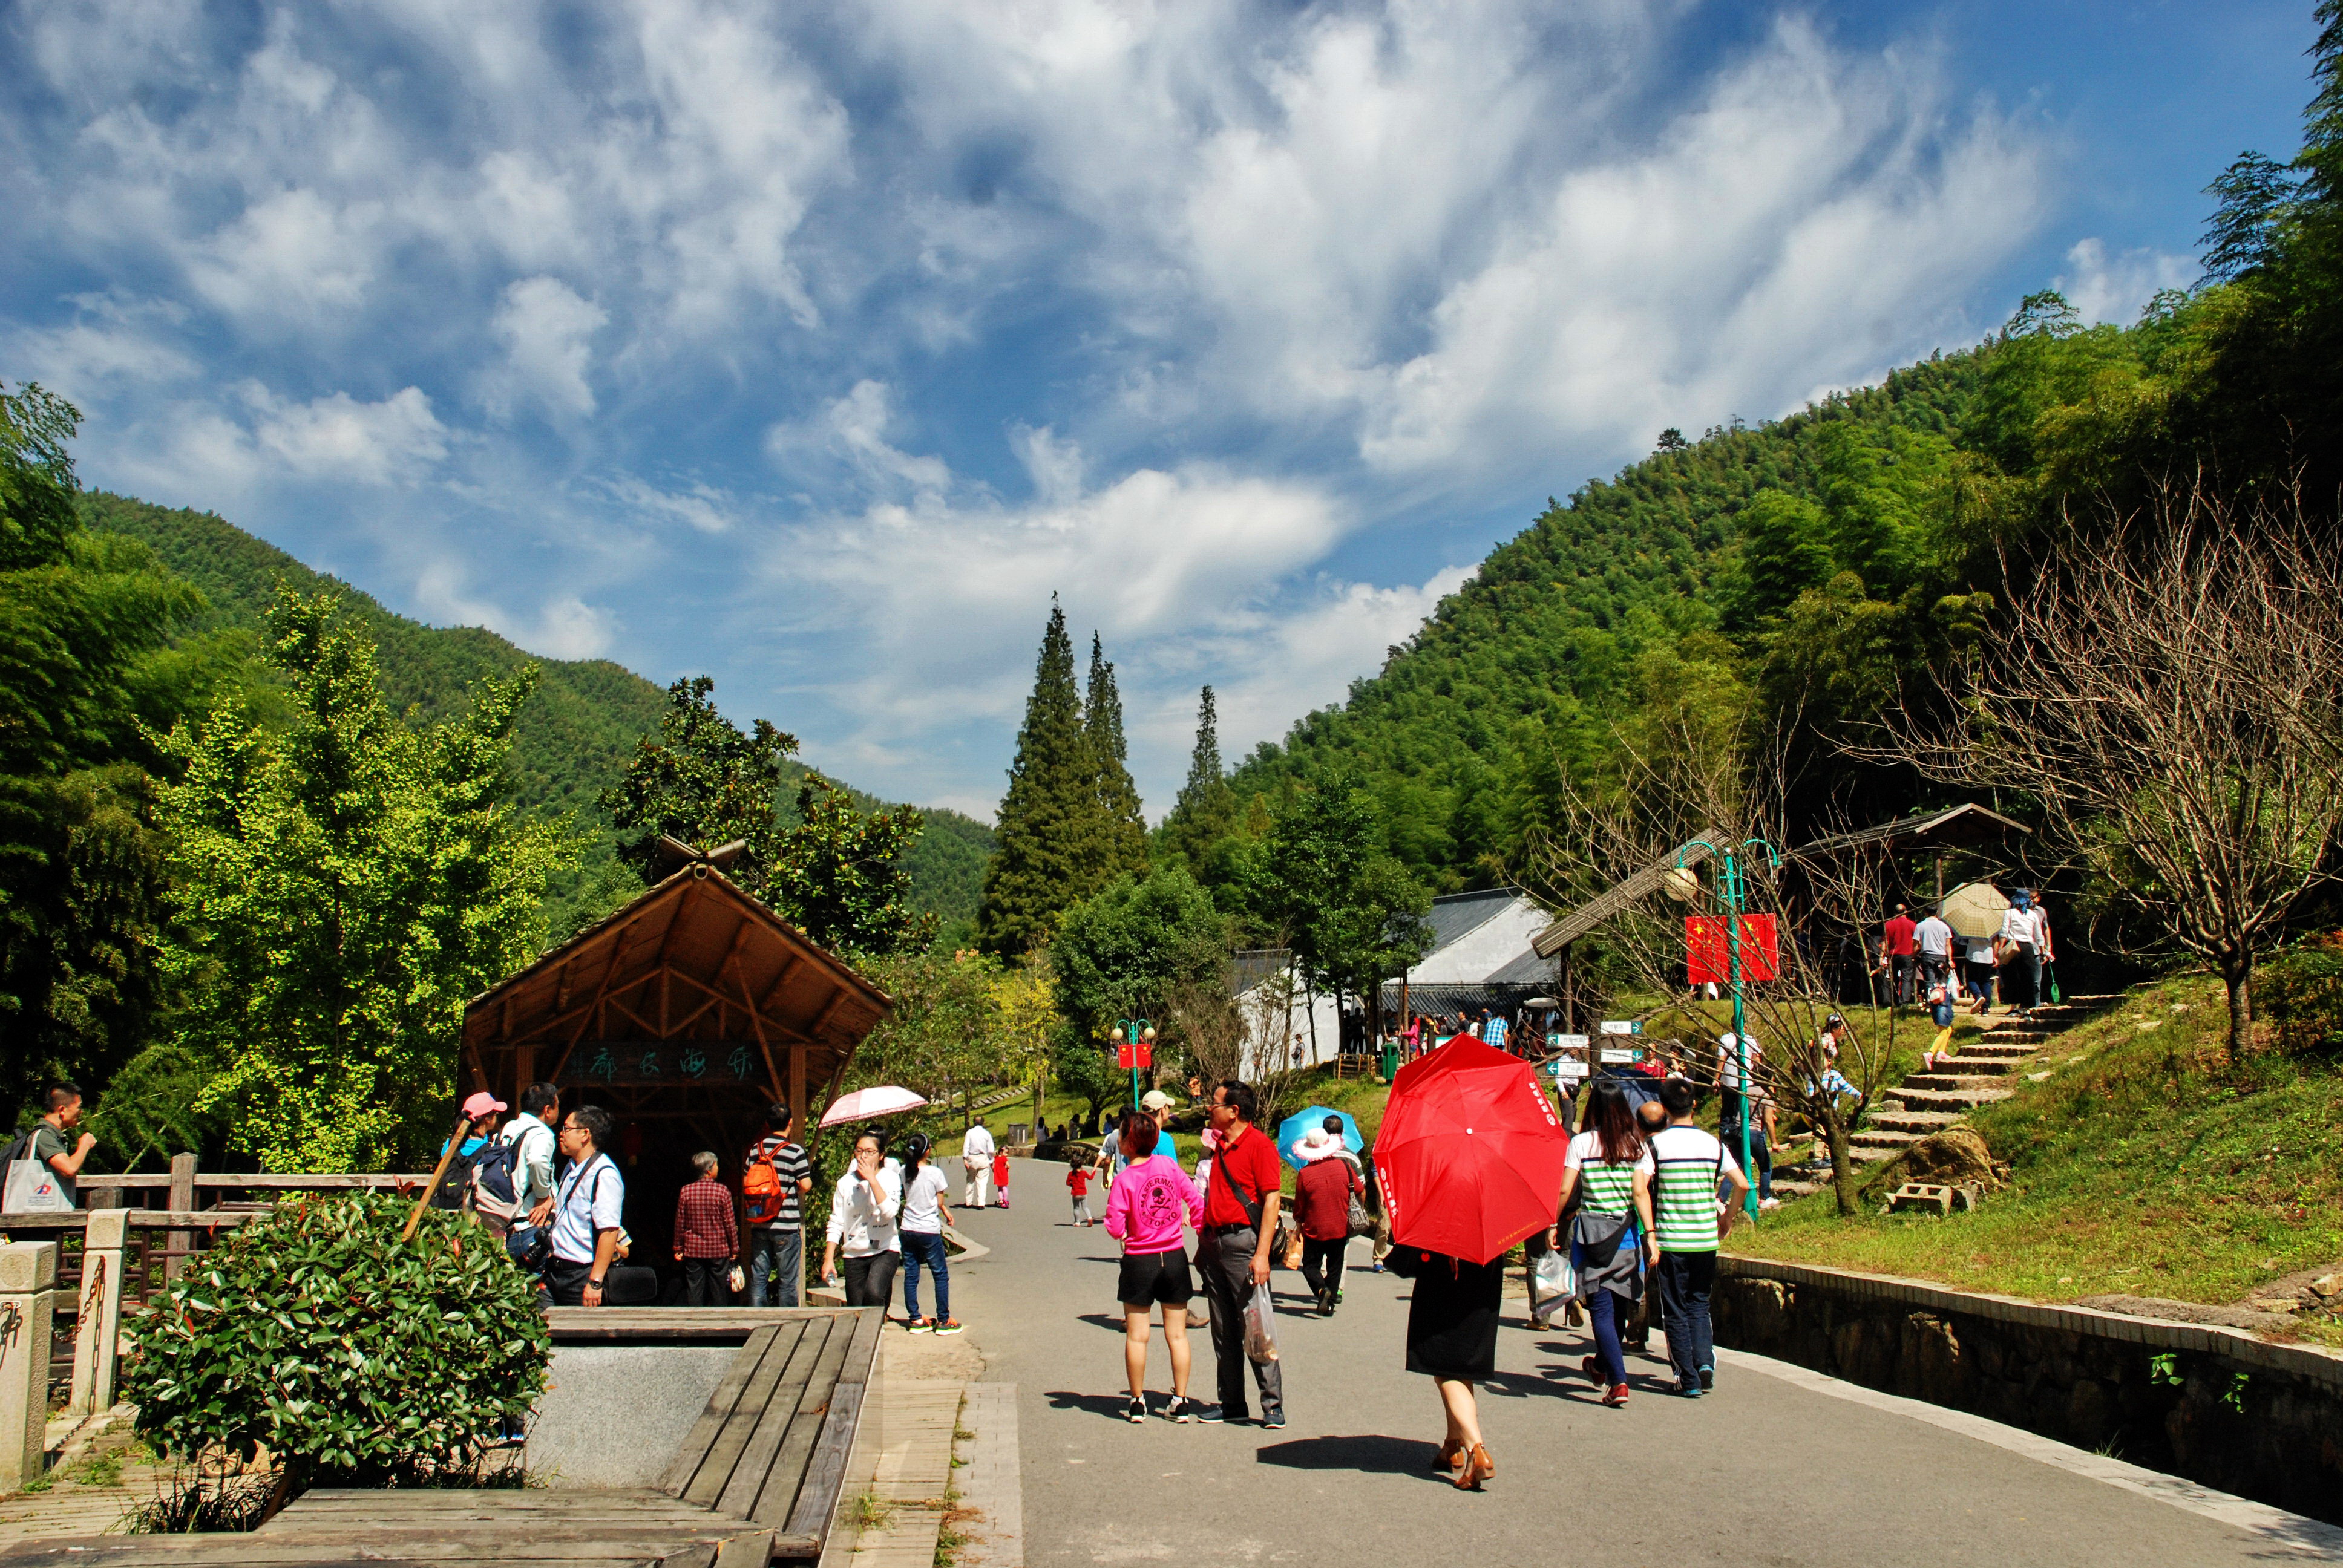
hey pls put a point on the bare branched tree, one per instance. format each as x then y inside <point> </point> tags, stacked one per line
<point>1208,1024</point>
<point>1683,792</point>
<point>2168,693</point>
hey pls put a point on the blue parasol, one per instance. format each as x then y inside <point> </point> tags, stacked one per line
<point>1290,1131</point>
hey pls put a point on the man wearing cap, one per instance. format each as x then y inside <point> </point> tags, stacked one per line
<point>1110,1158</point>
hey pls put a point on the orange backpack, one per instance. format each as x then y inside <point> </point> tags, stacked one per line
<point>760,1185</point>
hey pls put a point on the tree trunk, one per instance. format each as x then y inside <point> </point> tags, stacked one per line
<point>1845,1181</point>
<point>2238,977</point>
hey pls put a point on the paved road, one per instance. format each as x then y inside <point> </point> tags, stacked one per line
<point>1768,1471</point>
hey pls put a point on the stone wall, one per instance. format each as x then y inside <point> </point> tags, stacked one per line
<point>2219,1406</point>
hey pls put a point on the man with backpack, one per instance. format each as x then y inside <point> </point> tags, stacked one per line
<point>512,1175</point>
<point>773,1186</point>
<point>52,1158</point>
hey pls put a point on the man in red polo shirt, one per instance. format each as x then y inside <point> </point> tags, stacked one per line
<point>1241,1199</point>
<point>1899,958</point>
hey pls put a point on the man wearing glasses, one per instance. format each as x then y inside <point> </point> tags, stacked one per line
<point>586,1212</point>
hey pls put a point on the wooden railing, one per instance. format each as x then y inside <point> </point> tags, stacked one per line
<point>135,1233</point>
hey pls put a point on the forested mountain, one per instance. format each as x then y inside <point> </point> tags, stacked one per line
<point>573,737</point>
<point>1662,579</point>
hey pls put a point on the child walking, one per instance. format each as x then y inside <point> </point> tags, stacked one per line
<point>1000,1177</point>
<point>1079,1179</point>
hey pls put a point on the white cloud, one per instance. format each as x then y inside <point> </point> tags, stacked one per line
<point>2117,289</point>
<point>1237,282</point>
<point>563,627</point>
<point>854,429</point>
<point>547,329</point>
<point>338,437</point>
<point>701,506</point>
<point>1306,656</point>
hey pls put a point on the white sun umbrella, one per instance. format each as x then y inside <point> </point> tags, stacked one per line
<point>863,1104</point>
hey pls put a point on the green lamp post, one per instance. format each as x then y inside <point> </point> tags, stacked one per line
<point>1731,893</point>
<point>1135,1039</point>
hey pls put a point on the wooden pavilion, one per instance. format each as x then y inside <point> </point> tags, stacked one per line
<point>684,1014</point>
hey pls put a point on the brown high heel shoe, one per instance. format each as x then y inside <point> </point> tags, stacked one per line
<point>1477,1468</point>
<point>1451,1455</point>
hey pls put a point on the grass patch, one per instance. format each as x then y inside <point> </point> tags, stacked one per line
<point>873,1512</point>
<point>2151,1166</point>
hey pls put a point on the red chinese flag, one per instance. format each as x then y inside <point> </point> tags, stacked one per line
<point>1707,958</point>
<point>1123,1056</point>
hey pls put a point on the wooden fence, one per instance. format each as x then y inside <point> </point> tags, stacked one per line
<point>136,1235</point>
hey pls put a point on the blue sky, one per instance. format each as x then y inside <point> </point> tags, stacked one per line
<point>815,346</point>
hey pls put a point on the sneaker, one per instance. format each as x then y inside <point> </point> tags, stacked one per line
<point>1180,1410</point>
<point>1764,1203</point>
<point>1274,1422</point>
<point>1689,1387</point>
<point>1592,1368</point>
<point>1210,1414</point>
<point>1707,1379</point>
<point>922,1325</point>
<point>1136,1411</point>
<point>948,1326</point>
<point>1617,1397</point>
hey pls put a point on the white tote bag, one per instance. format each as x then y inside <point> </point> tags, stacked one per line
<point>32,1189</point>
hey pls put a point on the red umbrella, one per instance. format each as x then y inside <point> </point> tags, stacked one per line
<point>1470,1153</point>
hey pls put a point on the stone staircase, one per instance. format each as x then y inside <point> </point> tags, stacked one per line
<point>1982,1074</point>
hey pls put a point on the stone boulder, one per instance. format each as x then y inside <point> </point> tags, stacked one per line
<point>1956,1157</point>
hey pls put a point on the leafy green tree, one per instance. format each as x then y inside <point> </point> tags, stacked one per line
<point>1122,829</point>
<point>1205,812</point>
<point>1049,854</point>
<point>1118,954</point>
<point>701,780</point>
<point>1083,1067</point>
<point>85,621</point>
<point>839,872</point>
<point>836,871</point>
<point>343,886</point>
<point>1352,914</point>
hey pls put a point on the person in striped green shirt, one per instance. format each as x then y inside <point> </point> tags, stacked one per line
<point>1611,1166</point>
<point>1692,1173</point>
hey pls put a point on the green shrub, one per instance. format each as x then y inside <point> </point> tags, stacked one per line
<point>2301,991</point>
<point>354,1358</point>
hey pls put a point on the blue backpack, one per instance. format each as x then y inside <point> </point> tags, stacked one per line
<point>495,1185</point>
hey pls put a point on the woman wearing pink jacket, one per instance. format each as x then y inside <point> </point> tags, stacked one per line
<point>1143,1211</point>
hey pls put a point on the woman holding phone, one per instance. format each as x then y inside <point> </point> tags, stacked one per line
<point>863,1211</point>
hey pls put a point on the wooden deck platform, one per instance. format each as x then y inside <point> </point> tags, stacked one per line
<point>756,1480</point>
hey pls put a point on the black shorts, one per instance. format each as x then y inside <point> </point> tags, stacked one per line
<point>1155,1277</point>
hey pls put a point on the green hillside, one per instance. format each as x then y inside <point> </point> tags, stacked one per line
<point>1556,634</point>
<point>573,737</point>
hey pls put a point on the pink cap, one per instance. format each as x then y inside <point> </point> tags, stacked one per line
<point>482,1104</point>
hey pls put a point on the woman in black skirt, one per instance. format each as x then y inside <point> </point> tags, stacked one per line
<point>1451,1338</point>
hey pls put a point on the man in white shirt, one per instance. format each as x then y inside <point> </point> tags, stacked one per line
<point>1934,939</point>
<point>587,1212</point>
<point>532,1130</point>
<point>976,1152</point>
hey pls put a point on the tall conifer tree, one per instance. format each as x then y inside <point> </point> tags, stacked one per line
<point>1206,811</point>
<point>1123,830</point>
<point>1047,855</point>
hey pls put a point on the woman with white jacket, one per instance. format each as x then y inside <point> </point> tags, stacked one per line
<point>863,1211</point>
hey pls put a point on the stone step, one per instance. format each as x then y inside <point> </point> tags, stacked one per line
<point>1863,1155</point>
<point>1786,1187</point>
<point>1919,1123</point>
<point>1883,1138</point>
<point>2000,1036</point>
<point>1976,1078</point>
<point>1966,1066</point>
<point>1983,1051</point>
<point>1954,1100</point>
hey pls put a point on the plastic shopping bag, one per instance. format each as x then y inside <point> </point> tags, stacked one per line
<point>1553,1278</point>
<point>1260,1328</point>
